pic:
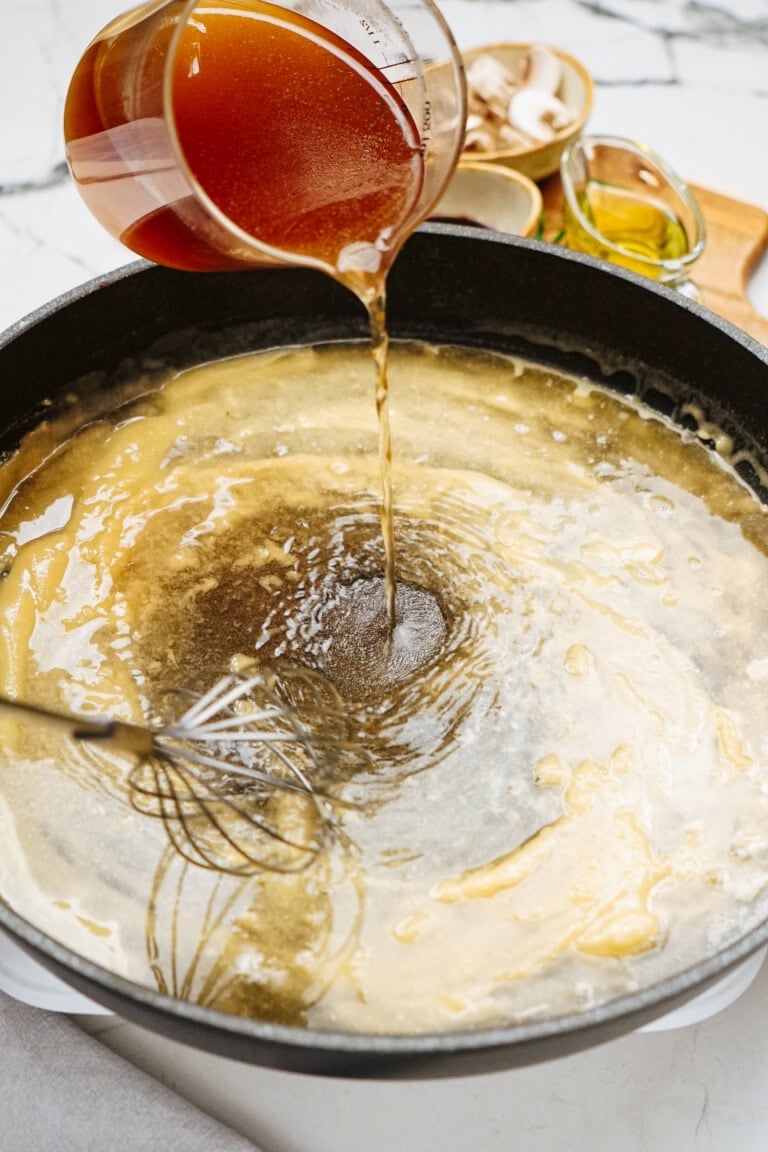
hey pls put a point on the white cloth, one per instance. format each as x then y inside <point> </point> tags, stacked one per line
<point>62,1091</point>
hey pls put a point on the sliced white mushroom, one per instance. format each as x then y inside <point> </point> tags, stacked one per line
<point>544,69</point>
<point>509,137</point>
<point>480,140</point>
<point>490,84</point>
<point>490,113</point>
<point>515,106</point>
<point>539,114</point>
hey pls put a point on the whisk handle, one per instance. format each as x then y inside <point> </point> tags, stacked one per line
<point>115,733</point>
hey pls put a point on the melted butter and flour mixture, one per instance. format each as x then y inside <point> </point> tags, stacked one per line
<point>566,791</point>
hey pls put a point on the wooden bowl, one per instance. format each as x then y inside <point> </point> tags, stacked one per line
<point>576,90</point>
<point>491,196</point>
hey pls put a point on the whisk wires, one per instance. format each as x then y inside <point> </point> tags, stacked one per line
<point>239,779</point>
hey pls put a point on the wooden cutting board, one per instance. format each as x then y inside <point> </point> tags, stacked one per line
<point>737,237</point>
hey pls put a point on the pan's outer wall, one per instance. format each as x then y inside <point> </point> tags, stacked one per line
<point>449,284</point>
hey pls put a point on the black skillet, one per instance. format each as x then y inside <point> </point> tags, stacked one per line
<point>449,285</point>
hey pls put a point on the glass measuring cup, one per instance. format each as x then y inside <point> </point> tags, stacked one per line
<point>623,204</point>
<point>237,133</point>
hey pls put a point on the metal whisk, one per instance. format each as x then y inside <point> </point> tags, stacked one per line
<point>239,778</point>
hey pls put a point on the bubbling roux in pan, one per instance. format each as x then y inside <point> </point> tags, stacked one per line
<point>567,791</point>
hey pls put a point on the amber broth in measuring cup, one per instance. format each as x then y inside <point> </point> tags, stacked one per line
<point>289,132</point>
<point>223,136</point>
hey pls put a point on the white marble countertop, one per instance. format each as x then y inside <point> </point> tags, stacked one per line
<point>690,77</point>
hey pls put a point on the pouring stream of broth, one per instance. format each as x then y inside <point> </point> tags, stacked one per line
<point>298,140</point>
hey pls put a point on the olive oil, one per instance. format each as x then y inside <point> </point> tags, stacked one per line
<point>639,232</point>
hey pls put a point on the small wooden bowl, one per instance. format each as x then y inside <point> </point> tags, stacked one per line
<point>576,90</point>
<point>491,196</point>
